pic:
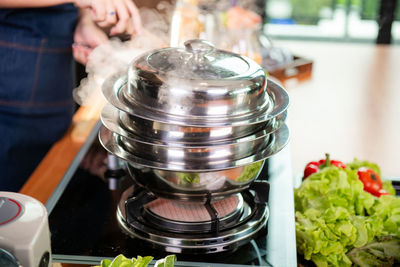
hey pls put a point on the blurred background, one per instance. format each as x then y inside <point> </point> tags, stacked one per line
<point>333,20</point>
<point>329,20</point>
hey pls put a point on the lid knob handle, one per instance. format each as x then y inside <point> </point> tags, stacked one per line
<point>199,46</point>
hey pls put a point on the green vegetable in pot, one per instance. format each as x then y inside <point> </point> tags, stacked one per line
<point>188,178</point>
<point>334,215</point>
<point>122,261</point>
<point>249,172</point>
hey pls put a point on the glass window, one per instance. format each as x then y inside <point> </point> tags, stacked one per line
<point>345,20</point>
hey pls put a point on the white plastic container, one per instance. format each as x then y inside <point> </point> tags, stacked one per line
<point>24,231</point>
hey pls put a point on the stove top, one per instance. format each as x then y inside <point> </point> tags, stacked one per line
<point>84,223</point>
<point>85,227</point>
<point>194,228</point>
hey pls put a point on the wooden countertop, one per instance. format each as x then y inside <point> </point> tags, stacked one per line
<point>350,107</point>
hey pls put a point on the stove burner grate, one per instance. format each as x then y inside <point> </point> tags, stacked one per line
<point>194,211</point>
<point>139,216</point>
<point>178,216</point>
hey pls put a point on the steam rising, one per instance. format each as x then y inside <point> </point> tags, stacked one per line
<point>115,55</point>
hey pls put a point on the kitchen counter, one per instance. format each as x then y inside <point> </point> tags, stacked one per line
<point>349,108</point>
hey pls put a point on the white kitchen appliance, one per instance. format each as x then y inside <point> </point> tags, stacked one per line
<point>24,231</point>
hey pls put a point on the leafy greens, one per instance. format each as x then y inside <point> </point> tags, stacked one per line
<point>122,261</point>
<point>188,178</point>
<point>250,171</point>
<point>334,214</point>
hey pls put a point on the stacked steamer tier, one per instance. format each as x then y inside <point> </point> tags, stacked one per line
<point>194,126</point>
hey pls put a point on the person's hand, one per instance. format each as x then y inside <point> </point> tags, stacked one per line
<point>87,36</point>
<point>121,16</point>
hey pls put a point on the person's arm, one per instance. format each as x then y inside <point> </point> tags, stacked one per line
<point>122,16</point>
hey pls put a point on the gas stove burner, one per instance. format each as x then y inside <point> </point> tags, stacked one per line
<point>194,228</point>
<point>193,212</point>
<point>195,217</point>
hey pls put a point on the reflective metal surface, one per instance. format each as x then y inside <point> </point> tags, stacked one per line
<point>198,80</point>
<point>196,186</point>
<point>114,90</point>
<point>254,218</point>
<point>133,126</point>
<point>196,153</point>
<point>163,150</point>
<point>175,160</point>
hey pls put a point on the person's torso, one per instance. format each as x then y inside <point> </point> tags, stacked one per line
<point>57,22</point>
<point>36,59</point>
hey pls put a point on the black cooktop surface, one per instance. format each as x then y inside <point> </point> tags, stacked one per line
<point>84,223</point>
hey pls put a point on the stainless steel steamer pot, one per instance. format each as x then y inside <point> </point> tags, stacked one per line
<point>194,122</point>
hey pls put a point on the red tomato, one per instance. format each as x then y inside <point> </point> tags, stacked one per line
<point>371,180</point>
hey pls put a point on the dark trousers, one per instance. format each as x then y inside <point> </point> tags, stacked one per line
<point>35,102</point>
